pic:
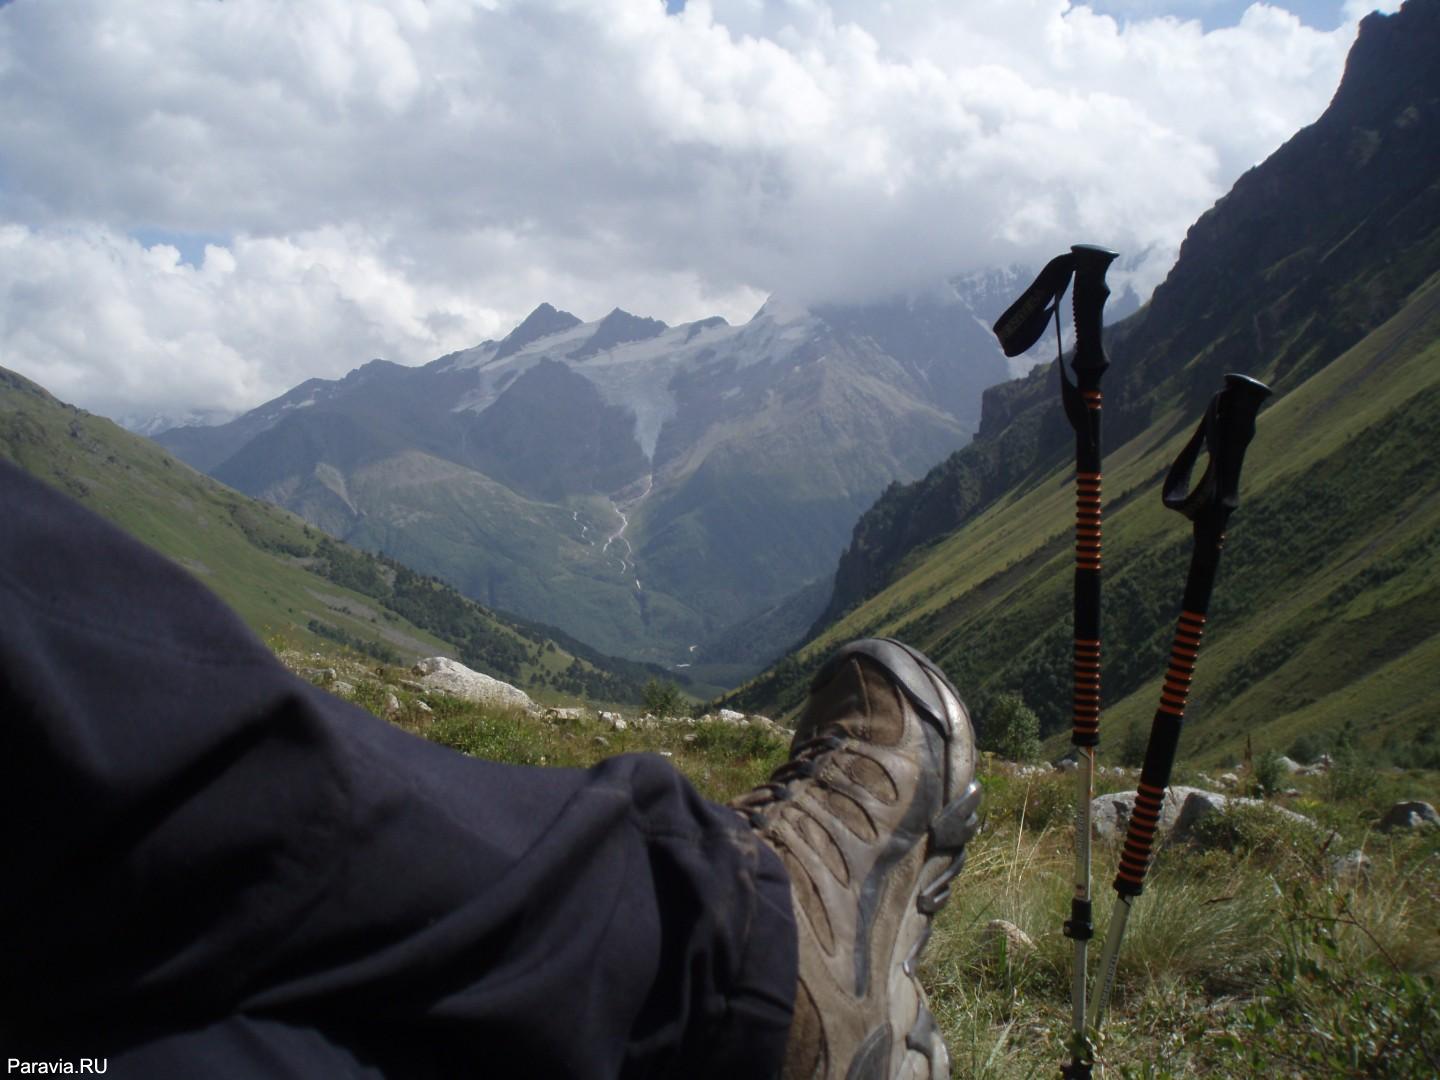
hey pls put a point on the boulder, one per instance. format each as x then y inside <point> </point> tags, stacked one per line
<point>1181,809</point>
<point>1410,815</point>
<point>451,677</point>
<point>1289,764</point>
<point>1200,804</point>
<point>1111,813</point>
<point>730,716</point>
<point>392,705</point>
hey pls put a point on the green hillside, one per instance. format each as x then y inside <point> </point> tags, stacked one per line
<point>285,579</point>
<point>1313,274</point>
<point>1328,605</point>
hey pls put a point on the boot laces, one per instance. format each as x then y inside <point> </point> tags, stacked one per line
<point>803,764</point>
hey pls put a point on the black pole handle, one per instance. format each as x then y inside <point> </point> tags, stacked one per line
<point>1025,320</point>
<point>1091,292</point>
<point>1226,430</point>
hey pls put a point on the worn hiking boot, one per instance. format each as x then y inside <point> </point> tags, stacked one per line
<point>870,815</point>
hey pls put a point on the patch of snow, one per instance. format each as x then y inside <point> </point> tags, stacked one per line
<point>636,375</point>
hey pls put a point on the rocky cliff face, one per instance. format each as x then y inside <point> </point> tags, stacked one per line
<point>1308,253</point>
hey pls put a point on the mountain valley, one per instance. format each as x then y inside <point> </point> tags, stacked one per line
<point>648,488</point>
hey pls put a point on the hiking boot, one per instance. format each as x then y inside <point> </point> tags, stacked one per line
<point>870,816</point>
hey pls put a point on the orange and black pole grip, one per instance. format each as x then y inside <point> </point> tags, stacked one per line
<point>1226,430</point>
<point>1082,400</point>
<point>1019,328</point>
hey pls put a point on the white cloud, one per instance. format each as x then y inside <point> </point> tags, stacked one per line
<point>404,178</point>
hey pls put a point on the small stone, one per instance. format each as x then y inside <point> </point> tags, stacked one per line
<point>422,707</point>
<point>600,740</point>
<point>392,705</point>
<point>340,686</point>
<point>1000,934</point>
<point>1350,869</point>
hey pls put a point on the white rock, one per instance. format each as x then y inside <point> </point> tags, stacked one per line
<point>454,678</point>
<point>423,707</point>
<point>392,704</point>
<point>730,716</point>
<point>565,714</point>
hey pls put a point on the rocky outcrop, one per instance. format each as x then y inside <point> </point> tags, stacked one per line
<point>451,677</point>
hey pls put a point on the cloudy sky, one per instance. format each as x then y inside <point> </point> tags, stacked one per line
<point>203,203</point>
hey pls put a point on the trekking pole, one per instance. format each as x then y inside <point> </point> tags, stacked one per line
<point>1226,431</point>
<point>1017,330</point>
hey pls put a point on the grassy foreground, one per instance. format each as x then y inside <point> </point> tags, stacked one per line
<point>1249,954</point>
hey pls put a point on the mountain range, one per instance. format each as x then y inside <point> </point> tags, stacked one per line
<point>668,493</point>
<point>289,581</point>
<point>1316,274</point>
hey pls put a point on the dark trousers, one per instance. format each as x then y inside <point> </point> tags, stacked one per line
<point>211,868</point>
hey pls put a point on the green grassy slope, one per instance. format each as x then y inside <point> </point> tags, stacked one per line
<point>285,579</point>
<point>1328,604</point>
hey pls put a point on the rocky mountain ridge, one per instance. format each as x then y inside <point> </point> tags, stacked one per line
<point>646,487</point>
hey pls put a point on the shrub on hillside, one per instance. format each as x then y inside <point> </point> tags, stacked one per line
<point>1015,727</point>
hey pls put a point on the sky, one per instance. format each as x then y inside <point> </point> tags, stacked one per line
<point>204,203</point>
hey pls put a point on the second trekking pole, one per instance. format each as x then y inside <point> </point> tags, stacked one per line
<point>1226,431</point>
